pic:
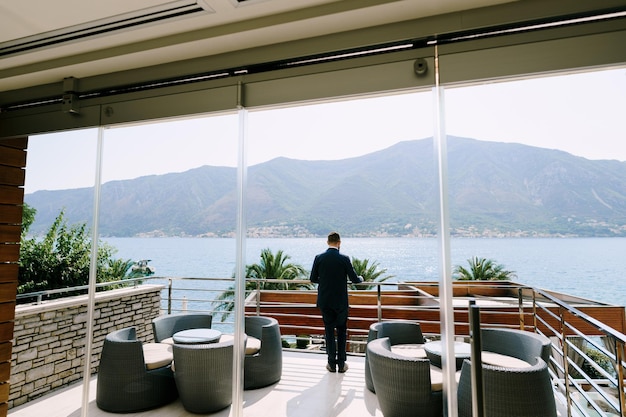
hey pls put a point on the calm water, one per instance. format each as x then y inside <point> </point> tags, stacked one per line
<point>587,267</point>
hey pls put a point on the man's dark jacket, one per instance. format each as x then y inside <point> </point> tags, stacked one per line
<point>331,270</point>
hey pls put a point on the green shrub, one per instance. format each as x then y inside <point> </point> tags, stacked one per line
<point>62,258</point>
<point>601,359</point>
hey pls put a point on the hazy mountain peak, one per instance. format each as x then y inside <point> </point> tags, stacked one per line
<point>495,189</point>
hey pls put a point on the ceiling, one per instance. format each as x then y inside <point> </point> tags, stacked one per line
<point>44,41</point>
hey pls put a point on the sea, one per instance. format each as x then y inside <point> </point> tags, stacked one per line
<point>587,267</point>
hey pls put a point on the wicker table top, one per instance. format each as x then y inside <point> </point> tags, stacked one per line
<point>434,350</point>
<point>197,336</point>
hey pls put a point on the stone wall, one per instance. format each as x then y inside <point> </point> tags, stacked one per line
<point>49,338</point>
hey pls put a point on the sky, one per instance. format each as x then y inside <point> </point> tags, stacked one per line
<point>583,114</point>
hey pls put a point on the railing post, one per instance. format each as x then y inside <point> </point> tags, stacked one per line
<point>379,304</point>
<point>477,363</point>
<point>169,297</point>
<point>535,311</point>
<point>258,298</point>
<point>619,359</point>
<point>565,362</point>
<point>520,303</point>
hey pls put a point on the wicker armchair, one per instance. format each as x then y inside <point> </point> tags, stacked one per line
<point>264,367</point>
<point>164,327</point>
<point>510,392</point>
<point>399,332</point>
<point>403,384</point>
<point>204,375</point>
<point>517,343</point>
<point>124,384</point>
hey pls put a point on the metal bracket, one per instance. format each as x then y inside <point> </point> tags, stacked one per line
<point>70,102</point>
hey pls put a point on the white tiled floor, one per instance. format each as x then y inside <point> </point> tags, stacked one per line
<point>305,390</point>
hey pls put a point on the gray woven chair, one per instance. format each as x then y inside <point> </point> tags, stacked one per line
<point>264,367</point>
<point>371,335</point>
<point>403,384</point>
<point>509,392</point>
<point>204,375</point>
<point>517,343</point>
<point>164,327</point>
<point>399,332</point>
<point>124,384</point>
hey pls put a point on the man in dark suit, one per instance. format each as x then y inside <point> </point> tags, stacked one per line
<point>331,271</point>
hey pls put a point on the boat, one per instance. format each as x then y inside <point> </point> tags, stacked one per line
<point>142,268</point>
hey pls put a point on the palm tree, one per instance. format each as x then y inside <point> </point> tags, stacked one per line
<point>117,269</point>
<point>369,272</point>
<point>482,269</point>
<point>272,266</point>
<point>276,267</point>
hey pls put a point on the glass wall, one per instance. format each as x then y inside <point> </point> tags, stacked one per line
<point>56,250</point>
<point>168,192</point>
<point>535,184</point>
<point>169,196</point>
<point>362,167</point>
<point>62,164</point>
<point>165,186</point>
<point>536,178</point>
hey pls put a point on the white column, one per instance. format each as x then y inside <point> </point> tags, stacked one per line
<point>240,272</point>
<point>92,275</point>
<point>446,311</point>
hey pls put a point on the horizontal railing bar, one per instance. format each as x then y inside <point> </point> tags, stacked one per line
<point>78,288</point>
<point>598,324</point>
<point>598,389</point>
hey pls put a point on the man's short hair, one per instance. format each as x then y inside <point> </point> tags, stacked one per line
<point>333,237</point>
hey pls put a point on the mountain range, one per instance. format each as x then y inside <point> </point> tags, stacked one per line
<point>494,189</point>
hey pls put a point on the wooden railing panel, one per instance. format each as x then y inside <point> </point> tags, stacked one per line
<point>296,311</point>
<point>356,297</point>
<point>611,316</point>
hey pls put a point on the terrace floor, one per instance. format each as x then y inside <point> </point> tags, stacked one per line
<point>305,390</point>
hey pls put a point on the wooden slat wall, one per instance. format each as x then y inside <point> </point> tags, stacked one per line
<point>12,175</point>
<point>297,313</point>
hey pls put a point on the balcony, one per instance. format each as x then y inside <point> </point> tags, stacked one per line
<point>575,325</point>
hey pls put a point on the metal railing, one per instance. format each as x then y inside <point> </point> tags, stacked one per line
<point>38,297</point>
<point>587,370</point>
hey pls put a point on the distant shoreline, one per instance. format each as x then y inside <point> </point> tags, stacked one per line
<point>269,235</point>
